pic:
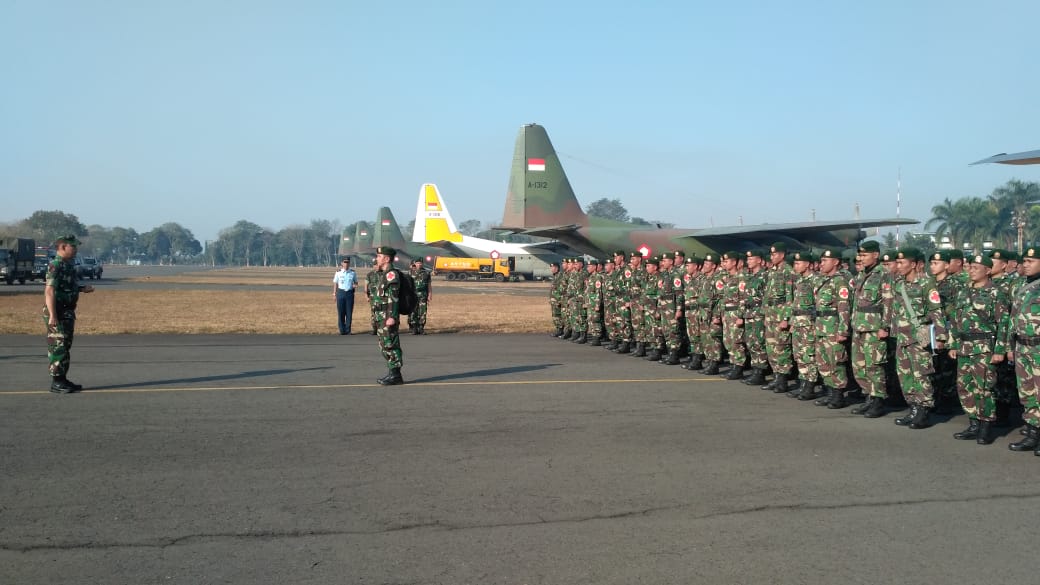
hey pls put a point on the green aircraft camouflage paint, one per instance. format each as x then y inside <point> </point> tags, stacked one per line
<point>386,232</point>
<point>541,202</point>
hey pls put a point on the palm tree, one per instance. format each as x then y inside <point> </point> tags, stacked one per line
<point>1012,202</point>
<point>973,220</point>
<point>943,216</point>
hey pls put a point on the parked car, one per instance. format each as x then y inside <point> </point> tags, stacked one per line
<point>88,267</point>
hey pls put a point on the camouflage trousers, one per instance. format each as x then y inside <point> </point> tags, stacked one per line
<point>390,341</point>
<point>1027,370</point>
<point>637,317</point>
<point>579,319</point>
<point>711,336</point>
<point>755,340</point>
<point>654,335</point>
<point>694,324</point>
<point>831,358</point>
<point>375,318</point>
<point>417,320</point>
<point>670,327</point>
<point>733,338</point>
<point>59,345</point>
<point>610,318</point>
<point>557,313</point>
<point>976,377</point>
<point>778,344</point>
<point>623,322</point>
<point>803,348</point>
<point>945,379</point>
<point>914,368</point>
<point>869,354</point>
<point>594,325</point>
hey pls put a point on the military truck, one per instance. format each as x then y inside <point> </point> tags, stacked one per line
<point>473,268</point>
<point>16,259</point>
<point>44,255</point>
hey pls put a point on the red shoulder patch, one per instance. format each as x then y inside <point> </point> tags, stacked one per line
<point>843,292</point>
<point>660,283</point>
<point>719,285</point>
<point>598,284</point>
<point>742,286</point>
<point>628,274</point>
<point>934,297</point>
<point>677,283</point>
<point>390,276</point>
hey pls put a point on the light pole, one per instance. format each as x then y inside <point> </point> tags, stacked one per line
<point>1018,221</point>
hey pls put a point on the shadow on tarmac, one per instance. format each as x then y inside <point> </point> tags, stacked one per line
<point>488,372</point>
<point>240,375</point>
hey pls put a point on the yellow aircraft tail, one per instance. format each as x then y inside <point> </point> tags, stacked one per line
<point>432,221</point>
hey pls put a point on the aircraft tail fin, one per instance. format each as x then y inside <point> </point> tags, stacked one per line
<point>362,238</point>
<point>539,192</point>
<point>386,231</point>
<point>433,223</point>
<point>346,243</point>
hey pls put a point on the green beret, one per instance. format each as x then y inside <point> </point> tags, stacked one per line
<point>804,257</point>
<point>778,247</point>
<point>691,259</point>
<point>1030,253</point>
<point>998,254</point>
<point>593,261</point>
<point>679,254</point>
<point>956,255</point>
<point>731,255</point>
<point>619,252</point>
<point>636,254</point>
<point>912,254</point>
<point>981,259</point>
<point>579,259</point>
<point>943,255</point>
<point>386,251</point>
<point>1011,255</point>
<point>711,257</point>
<point>755,253</point>
<point>653,260</point>
<point>70,239</point>
<point>830,253</point>
<point>889,256</point>
<point>869,246</point>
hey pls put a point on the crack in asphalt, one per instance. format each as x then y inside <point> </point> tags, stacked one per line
<point>273,535</point>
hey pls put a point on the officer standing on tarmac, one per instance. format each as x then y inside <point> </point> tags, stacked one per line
<point>385,305</point>
<point>945,378</point>
<point>594,303</point>
<point>833,312</point>
<point>754,317</point>
<point>609,294</point>
<point>916,309</point>
<point>801,320</point>
<point>669,306</point>
<point>732,312</point>
<point>1024,331</point>
<point>710,309</point>
<point>423,294</point>
<point>871,316</point>
<point>651,312</point>
<point>978,338</point>
<point>692,278</point>
<point>778,295</point>
<point>636,277</point>
<point>555,293</point>
<point>579,319</point>
<point>60,295</point>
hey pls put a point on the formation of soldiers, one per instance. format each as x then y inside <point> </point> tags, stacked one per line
<point>903,327</point>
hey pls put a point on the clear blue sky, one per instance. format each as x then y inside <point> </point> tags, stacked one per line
<point>134,113</point>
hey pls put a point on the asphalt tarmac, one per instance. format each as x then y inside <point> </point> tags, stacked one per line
<point>505,459</point>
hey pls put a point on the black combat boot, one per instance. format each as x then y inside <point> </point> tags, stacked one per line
<point>581,338</point>
<point>416,330</point>
<point>824,396</point>
<point>920,420</point>
<point>758,377</point>
<point>558,332</point>
<point>75,387</point>
<point>972,432</point>
<point>596,342</point>
<point>393,378</point>
<point>59,385</point>
<point>837,399</point>
<point>909,416</point>
<point>640,350</point>
<point>653,355</point>
<point>1032,440</point>
<point>876,408</point>
<point>862,408</point>
<point>735,373</point>
<point>985,433</point>
<point>711,367</point>
<point>623,348</point>
<point>779,384</point>
<point>612,345</point>
<point>807,391</point>
<point>696,361</point>
<point>672,359</point>
<point>567,333</point>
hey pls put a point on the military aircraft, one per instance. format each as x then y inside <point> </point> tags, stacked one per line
<point>540,202</point>
<point>434,226</point>
<point>386,232</point>
<point>360,245</point>
<point>1031,157</point>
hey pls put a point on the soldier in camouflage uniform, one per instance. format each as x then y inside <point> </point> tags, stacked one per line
<point>978,337</point>
<point>636,277</point>
<point>652,313</point>
<point>945,379</point>
<point>385,304</point>
<point>423,294</point>
<point>871,316</point>
<point>754,316</point>
<point>623,303</point>
<point>594,302</point>
<point>778,294</point>
<point>60,295</point>
<point>732,301</point>
<point>609,294</point>
<point>833,326</point>
<point>1006,390</point>
<point>669,307</point>
<point>579,318</point>
<point>1024,335</point>
<point>710,310</point>
<point>916,310</point>
<point>691,283</point>
<point>892,387</point>
<point>371,282</point>
<point>800,319</point>
<point>555,298</point>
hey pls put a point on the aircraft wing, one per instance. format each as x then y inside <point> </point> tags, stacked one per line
<point>795,230</point>
<point>1031,157</point>
<point>567,235</point>
<point>451,248</point>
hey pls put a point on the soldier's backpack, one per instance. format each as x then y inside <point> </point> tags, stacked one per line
<point>407,300</point>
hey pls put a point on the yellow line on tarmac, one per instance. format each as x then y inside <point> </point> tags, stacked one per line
<point>143,390</point>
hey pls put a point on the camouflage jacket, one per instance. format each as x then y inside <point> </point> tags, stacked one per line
<point>652,289</point>
<point>635,279</point>
<point>779,291</point>
<point>594,291</point>
<point>912,324</point>
<point>1025,313</point>
<point>872,300</point>
<point>948,289</point>
<point>670,291</point>
<point>981,320</point>
<point>730,287</point>
<point>833,309</point>
<point>556,286</point>
<point>371,282</point>
<point>801,312</point>
<point>754,294</point>
<point>422,280</point>
<point>388,288</point>
<point>61,276</point>
<point>691,282</point>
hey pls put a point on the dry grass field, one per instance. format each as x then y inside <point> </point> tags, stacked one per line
<point>264,307</point>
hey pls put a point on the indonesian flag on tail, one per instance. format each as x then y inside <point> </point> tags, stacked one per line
<point>431,205</point>
<point>386,222</point>
<point>536,164</point>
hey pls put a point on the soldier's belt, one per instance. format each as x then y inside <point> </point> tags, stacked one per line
<point>975,336</point>
<point>1027,339</point>
<point>730,308</point>
<point>869,309</point>
<point>778,299</point>
<point>827,313</point>
<point>803,313</point>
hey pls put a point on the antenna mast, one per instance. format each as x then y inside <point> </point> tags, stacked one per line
<point>899,199</point>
